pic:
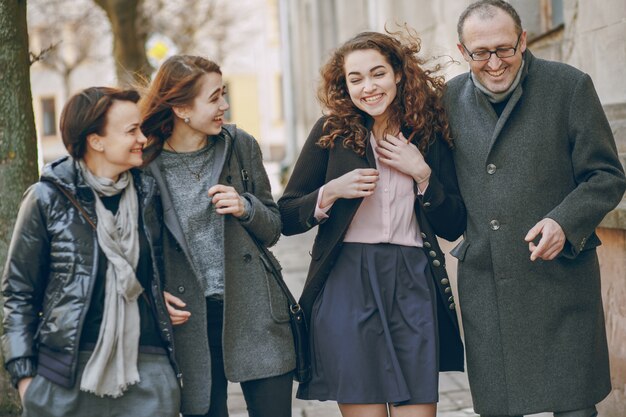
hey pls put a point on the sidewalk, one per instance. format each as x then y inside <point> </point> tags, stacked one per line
<point>293,252</point>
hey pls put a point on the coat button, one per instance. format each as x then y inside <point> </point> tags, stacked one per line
<point>432,254</point>
<point>247,257</point>
<point>436,263</point>
<point>452,306</point>
<point>427,245</point>
<point>451,298</point>
<point>495,225</point>
<point>491,169</point>
<point>445,281</point>
<point>180,289</point>
<point>427,204</point>
<point>423,235</point>
<point>447,290</point>
<point>229,179</point>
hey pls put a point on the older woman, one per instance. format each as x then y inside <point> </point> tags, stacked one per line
<point>86,332</point>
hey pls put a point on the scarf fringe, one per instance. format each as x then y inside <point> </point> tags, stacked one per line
<point>120,389</point>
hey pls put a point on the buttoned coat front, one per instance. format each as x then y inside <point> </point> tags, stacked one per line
<point>257,341</point>
<point>440,212</point>
<point>534,331</point>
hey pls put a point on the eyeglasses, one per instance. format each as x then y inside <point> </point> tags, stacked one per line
<point>485,55</point>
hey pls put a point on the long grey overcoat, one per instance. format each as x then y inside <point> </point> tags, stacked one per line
<point>534,331</point>
<point>257,338</point>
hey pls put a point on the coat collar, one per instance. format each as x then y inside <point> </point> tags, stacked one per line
<point>487,108</point>
<point>223,146</point>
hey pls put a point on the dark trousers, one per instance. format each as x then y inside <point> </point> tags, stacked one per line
<point>267,397</point>
<point>587,412</point>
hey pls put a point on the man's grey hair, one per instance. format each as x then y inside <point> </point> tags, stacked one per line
<point>486,9</point>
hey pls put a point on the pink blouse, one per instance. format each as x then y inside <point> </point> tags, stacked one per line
<point>388,215</point>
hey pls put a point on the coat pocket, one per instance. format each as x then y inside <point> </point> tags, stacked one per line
<point>459,250</point>
<point>279,306</point>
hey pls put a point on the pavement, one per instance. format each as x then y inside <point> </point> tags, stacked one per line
<point>293,252</point>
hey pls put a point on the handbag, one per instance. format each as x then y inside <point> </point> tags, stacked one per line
<point>297,321</point>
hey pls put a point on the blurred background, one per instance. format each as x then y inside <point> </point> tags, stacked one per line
<point>270,52</point>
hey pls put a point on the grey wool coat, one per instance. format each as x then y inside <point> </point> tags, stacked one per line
<point>257,338</point>
<point>534,331</point>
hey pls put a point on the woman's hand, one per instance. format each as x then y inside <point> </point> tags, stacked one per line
<point>22,386</point>
<point>227,200</point>
<point>354,184</point>
<point>176,316</point>
<point>404,157</point>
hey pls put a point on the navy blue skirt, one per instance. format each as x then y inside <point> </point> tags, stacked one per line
<point>374,329</point>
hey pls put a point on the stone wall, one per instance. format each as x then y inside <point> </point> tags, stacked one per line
<point>612,254</point>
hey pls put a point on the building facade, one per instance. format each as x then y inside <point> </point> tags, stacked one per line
<point>577,32</point>
<point>250,62</point>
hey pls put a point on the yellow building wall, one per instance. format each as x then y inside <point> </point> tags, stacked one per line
<point>243,97</point>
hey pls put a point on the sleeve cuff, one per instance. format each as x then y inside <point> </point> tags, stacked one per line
<point>321,213</point>
<point>21,368</point>
<point>248,210</point>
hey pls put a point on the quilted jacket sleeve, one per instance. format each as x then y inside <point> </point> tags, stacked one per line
<point>23,285</point>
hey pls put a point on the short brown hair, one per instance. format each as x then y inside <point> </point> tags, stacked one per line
<point>177,83</point>
<point>486,9</point>
<point>85,113</point>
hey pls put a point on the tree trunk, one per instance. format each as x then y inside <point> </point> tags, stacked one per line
<point>129,40</point>
<point>18,142</point>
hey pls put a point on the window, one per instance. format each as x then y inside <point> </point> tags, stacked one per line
<point>552,14</point>
<point>539,16</point>
<point>48,117</point>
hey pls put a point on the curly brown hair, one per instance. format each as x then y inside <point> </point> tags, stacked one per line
<point>417,105</point>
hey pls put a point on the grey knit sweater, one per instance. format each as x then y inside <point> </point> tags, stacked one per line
<point>202,226</point>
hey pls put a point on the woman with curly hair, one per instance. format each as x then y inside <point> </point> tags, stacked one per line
<point>376,175</point>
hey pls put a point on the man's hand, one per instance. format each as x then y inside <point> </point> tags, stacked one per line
<point>551,242</point>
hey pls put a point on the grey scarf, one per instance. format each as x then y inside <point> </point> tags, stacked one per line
<point>498,97</point>
<point>113,365</point>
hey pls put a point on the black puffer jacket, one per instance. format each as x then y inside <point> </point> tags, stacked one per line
<point>51,269</point>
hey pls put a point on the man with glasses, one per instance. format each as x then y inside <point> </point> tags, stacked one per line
<point>538,170</point>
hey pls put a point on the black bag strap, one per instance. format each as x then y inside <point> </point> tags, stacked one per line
<point>76,204</point>
<point>266,256</point>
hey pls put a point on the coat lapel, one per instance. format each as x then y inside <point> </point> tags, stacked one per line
<point>169,213</point>
<point>517,94</point>
<point>222,145</point>
<point>513,100</point>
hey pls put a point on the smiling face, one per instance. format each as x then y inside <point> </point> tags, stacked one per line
<point>371,82</point>
<point>121,144</point>
<point>206,114</point>
<point>489,33</point>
